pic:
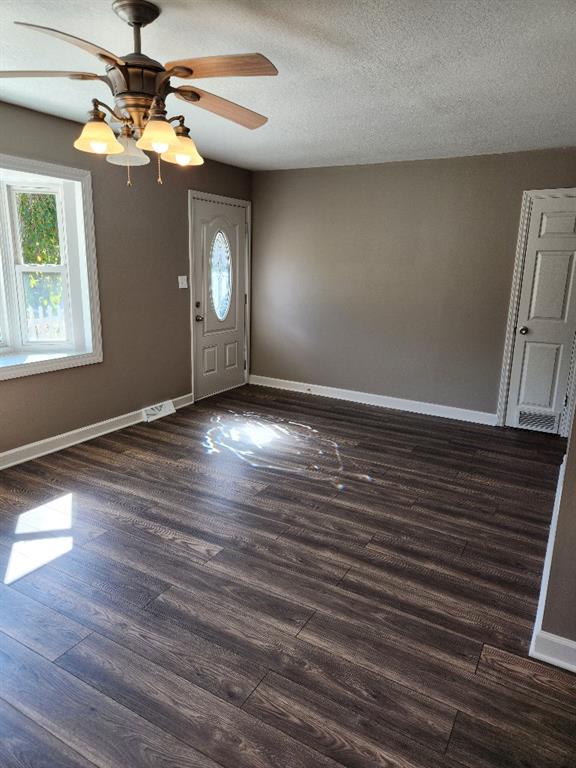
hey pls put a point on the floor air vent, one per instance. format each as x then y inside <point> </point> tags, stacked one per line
<point>544,422</point>
<point>158,411</point>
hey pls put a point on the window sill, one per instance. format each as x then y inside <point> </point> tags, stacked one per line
<point>16,365</point>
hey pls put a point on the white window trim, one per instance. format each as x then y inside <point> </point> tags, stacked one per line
<point>46,360</point>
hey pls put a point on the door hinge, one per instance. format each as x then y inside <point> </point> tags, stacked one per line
<point>244,364</point>
<point>245,299</point>
<point>566,401</point>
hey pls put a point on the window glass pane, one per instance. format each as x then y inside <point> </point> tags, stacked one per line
<point>38,224</point>
<point>44,306</point>
<point>220,275</point>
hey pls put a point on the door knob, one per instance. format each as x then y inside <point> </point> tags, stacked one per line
<point>523,330</point>
<point>199,318</point>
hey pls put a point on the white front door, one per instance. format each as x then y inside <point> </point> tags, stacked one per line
<point>219,267</point>
<point>546,324</point>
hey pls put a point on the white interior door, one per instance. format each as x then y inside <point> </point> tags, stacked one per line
<point>220,263</point>
<point>546,324</point>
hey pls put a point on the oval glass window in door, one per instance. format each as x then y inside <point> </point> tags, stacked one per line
<point>220,275</point>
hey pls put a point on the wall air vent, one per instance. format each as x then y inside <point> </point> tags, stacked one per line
<point>158,411</point>
<point>543,422</point>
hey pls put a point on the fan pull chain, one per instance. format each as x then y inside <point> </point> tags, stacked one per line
<point>159,179</point>
<point>129,181</point>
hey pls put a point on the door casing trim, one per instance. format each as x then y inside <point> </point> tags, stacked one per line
<point>197,195</point>
<point>528,199</point>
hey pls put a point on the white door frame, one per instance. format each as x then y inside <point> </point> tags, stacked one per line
<point>194,195</point>
<point>528,199</point>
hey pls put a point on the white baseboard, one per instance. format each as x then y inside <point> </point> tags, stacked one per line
<point>383,401</point>
<point>66,439</point>
<point>554,650</point>
<point>546,646</point>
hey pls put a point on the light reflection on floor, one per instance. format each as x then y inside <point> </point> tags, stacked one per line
<point>42,535</point>
<point>278,444</point>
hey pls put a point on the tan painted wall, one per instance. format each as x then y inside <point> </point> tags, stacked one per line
<point>560,608</point>
<point>142,245</point>
<point>392,279</point>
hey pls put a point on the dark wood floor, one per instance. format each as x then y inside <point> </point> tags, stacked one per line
<point>270,580</point>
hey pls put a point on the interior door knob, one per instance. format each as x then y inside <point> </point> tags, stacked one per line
<point>523,330</point>
<point>199,318</point>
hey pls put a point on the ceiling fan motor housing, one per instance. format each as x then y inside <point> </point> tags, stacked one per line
<point>135,85</point>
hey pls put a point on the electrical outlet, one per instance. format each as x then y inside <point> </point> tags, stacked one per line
<point>182,281</point>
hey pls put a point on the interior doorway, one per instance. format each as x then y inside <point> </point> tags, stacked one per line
<point>537,383</point>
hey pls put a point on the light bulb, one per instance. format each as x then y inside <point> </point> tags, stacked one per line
<point>159,147</point>
<point>99,147</point>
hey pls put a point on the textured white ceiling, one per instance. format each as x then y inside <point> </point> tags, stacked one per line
<point>361,81</point>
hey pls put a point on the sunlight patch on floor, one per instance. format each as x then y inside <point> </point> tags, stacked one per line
<point>31,550</point>
<point>282,445</point>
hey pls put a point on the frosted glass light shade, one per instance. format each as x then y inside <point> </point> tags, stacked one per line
<point>158,136</point>
<point>98,138</point>
<point>183,153</point>
<point>131,156</point>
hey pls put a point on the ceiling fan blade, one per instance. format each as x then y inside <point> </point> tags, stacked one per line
<point>236,65</point>
<point>220,106</point>
<point>51,73</point>
<point>92,48</point>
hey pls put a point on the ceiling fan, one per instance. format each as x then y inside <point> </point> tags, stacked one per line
<point>140,86</point>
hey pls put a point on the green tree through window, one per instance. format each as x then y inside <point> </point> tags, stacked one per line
<point>38,218</point>
<point>40,245</point>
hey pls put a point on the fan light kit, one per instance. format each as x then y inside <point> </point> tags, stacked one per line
<point>140,86</point>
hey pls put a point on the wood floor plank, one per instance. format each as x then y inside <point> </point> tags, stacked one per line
<point>457,607</point>
<point>108,734</point>
<point>351,739</point>
<point>477,744</point>
<point>519,574</point>
<point>24,744</point>
<point>182,709</point>
<point>40,628</point>
<point>535,678</point>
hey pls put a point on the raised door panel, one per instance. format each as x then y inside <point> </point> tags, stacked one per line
<point>231,355</point>
<point>557,223</point>
<point>539,377</point>
<point>551,283</point>
<point>209,360</point>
